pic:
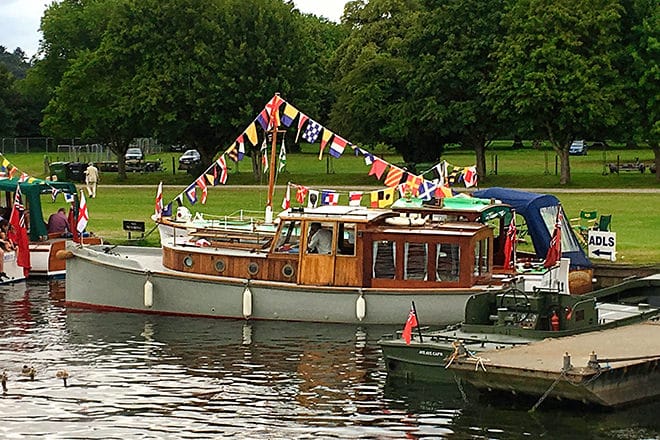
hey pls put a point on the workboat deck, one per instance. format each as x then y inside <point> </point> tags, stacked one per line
<point>632,341</point>
<point>609,367</point>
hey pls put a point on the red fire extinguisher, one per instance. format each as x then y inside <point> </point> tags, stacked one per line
<point>554,322</point>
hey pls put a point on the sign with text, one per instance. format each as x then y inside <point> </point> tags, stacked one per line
<point>602,244</point>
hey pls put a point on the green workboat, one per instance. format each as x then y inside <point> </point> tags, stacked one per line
<point>498,320</point>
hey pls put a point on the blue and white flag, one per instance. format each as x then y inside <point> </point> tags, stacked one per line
<point>191,194</point>
<point>426,190</point>
<point>312,131</point>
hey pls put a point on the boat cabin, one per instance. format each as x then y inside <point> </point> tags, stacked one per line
<point>346,246</point>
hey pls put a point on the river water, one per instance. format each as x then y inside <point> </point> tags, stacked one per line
<point>143,376</point>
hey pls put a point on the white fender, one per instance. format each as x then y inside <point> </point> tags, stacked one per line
<point>247,303</point>
<point>148,294</point>
<point>361,308</point>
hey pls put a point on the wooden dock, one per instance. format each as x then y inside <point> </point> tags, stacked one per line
<point>611,368</point>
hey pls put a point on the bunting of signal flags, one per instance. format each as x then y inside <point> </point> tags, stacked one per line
<point>382,198</point>
<point>278,112</point>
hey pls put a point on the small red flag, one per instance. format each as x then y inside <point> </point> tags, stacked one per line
<point>18,232</point>
<point>411,323</point>
<point>510,244</point>
<point>554,251</point>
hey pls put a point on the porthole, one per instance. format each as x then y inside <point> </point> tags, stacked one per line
<point>220,266</point>
<point>253,268</point>
<point>188,261</point>
<point>288,271</point>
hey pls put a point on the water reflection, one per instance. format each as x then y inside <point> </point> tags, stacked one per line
<point>149,376</point>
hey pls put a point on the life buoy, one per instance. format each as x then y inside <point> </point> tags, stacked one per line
<point>406,221</point>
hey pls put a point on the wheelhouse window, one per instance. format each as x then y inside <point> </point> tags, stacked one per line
<point>384,259</point>
<point>481,257</point>
<point>447,262</point>
<point>415,261</point>
<point>288,240</point>
<point>319,238</point>
<point>346,239</point>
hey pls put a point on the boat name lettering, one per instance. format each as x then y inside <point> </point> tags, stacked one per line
<point>430,353</point>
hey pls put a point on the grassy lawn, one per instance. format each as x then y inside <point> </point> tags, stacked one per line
<point>636,216</point>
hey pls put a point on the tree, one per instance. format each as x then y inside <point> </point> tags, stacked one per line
<point>372,71</point>
<point>554,70</point>
<point>638,63</point>
<point>8,103</point>
<point>450,49</point>
<point>93,101</point>
<point>16,62</point>
<point>202,84</point>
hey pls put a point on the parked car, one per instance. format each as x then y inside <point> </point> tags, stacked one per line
<point>134,154</point>
<point>578,148</point>
<point>189,159</point>
<point>177,147</point>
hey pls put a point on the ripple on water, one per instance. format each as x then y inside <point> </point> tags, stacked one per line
<point>140,376</point>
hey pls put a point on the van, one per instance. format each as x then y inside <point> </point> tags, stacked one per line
<point>577,148</point>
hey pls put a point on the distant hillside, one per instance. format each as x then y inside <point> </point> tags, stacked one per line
<point>16,62</point>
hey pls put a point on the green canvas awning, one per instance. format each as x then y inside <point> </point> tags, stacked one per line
<point>32,191</point>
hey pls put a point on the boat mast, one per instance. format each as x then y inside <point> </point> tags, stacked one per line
<point>274,121</point>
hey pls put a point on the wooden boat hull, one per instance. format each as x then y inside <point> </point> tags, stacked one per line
<point>44,260</point>
<point>115,278</point>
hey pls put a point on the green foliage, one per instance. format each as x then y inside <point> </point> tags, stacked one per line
<point>15,62</point>
<point>8,103</point>
<point>148,72</point>
<point>371,78</point>
<point>554,75</point>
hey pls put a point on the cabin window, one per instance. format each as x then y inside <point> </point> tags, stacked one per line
<point>319,238</point>
<point>289,239</point>
<point>346,239</point>
<point>384,260</point>
<point>447,262</point>
<point>415,261</point>
<point>481,257</point>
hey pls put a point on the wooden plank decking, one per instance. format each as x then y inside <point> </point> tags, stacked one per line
<point>628,369</point>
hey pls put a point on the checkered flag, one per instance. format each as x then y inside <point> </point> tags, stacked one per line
<point>312,131</point>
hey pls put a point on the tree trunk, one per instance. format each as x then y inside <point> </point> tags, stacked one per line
<point>565,167</point>
<point>256,166</point>
<point>478,144</point>
<point>480,153</point>
<point>656,153</point>
<point>120,147</point>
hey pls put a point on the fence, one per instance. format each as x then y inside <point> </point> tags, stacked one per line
<point>27,145</point>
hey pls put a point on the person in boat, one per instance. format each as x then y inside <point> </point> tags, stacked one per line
<point>321,241</point>
<point>6,245</point>
<point>58,224</point>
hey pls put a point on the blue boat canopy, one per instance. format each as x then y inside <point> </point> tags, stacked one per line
<point>540,214</point>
